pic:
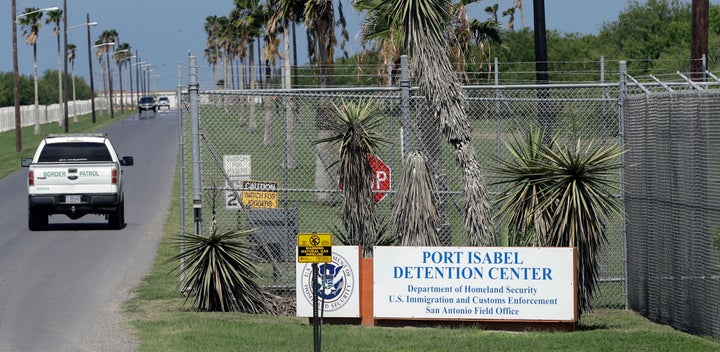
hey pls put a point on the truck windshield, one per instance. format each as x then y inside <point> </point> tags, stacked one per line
<point>69,152</point>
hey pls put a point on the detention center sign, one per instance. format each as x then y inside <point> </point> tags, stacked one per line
<point>475,283</point>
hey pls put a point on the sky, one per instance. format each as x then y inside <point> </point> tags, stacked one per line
<point>165,32</point>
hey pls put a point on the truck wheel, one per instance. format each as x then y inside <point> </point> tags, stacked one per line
<point>36,219</point>
<point>116,219</point>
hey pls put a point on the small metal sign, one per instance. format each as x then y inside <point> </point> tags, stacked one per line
<point>314,247</point>
<point>259,194</point>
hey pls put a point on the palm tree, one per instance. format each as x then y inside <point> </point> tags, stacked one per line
<point>71,58</point>
<point>107,36</point>
<point>271,50</point>
<point>284,12</point>
<point>356,130</point>
<point>422,25</point>
<point>101,67</point>
<point>483,34</point>
<point>223,40</point>
<point>212,53</point>
<point>30,24</point>
<point>55,17</point>
<point>492,11</point>
<point>510,25</point>
<point>122,55</point>
<point>248,18</point>
<point>471,39</point>
<point>320,22</point>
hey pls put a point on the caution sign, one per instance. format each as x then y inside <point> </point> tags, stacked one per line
<point>259,194</point>
<point>314,248</point>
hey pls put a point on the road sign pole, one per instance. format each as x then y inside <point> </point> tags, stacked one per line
<point>316,321</point>
<point>315,248</point>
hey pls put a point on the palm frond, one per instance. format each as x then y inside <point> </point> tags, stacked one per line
<point>415,209</point>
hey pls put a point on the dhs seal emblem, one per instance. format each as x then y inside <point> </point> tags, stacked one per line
<point>335,283</point>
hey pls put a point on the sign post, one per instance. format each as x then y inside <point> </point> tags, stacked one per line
<point>315,248</point>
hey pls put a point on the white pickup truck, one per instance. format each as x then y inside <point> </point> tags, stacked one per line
<point>75,175</point>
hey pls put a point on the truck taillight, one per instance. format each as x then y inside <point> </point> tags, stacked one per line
<point>114,176</point>
<point>31,178</point>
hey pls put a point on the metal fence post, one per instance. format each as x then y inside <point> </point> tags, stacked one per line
<point>621,131</point>
<point>181,165</point>
<point>193,87</point>
<point>181,149</point>
<point>404,106</point>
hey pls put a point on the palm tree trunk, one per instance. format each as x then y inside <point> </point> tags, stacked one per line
<point>430,145</point>
<point>269,104</point>
<point>448,100</point>
<point>290,155</point>
<point>324,179</point>
<point>252,124</point>
<point>295,72</point>
<point>101,71</point>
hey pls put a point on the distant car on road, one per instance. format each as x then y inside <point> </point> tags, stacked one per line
<point>163,103</point>
<point>146,104</point>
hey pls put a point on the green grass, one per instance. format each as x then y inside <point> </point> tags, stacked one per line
<point>10,159</point>
<point>162,321</point>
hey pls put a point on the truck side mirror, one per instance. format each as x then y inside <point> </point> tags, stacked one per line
<point>25,162</point>
<point>126,161</point>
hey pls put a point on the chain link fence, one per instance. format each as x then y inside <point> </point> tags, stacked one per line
<point>268,137</point>
<point>672,203</point>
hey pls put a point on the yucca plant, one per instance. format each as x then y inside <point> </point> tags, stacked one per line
<point>415,208</point>
<point>521,174</point>
<point>218,272</point>
<point>356,132</point>
<point>563,196</point>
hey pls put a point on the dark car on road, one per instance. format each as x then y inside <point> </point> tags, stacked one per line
<point>146,104</point>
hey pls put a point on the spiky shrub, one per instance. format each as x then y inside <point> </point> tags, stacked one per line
<point>563,195</point>
<point>356,132</point>
<point>218,272</point>
<point>415,209</point>
<point>519,200</point>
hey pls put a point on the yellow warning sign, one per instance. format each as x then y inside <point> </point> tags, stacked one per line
<point>259,194</point>
<point>314,247</point>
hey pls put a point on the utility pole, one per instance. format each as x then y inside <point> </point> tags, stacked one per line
<point>65,69</point>
<point>16,81</point>
<point>699,40</point>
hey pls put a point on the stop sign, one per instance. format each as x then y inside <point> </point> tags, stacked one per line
<point>381,177</point>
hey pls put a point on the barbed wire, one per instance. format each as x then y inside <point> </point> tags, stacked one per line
<point>480,73</point>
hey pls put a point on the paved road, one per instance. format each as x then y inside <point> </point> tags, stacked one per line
<point>61,289</point>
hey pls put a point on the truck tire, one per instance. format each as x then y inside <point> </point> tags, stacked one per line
<point>36,219</point>
<point>116,219</point>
